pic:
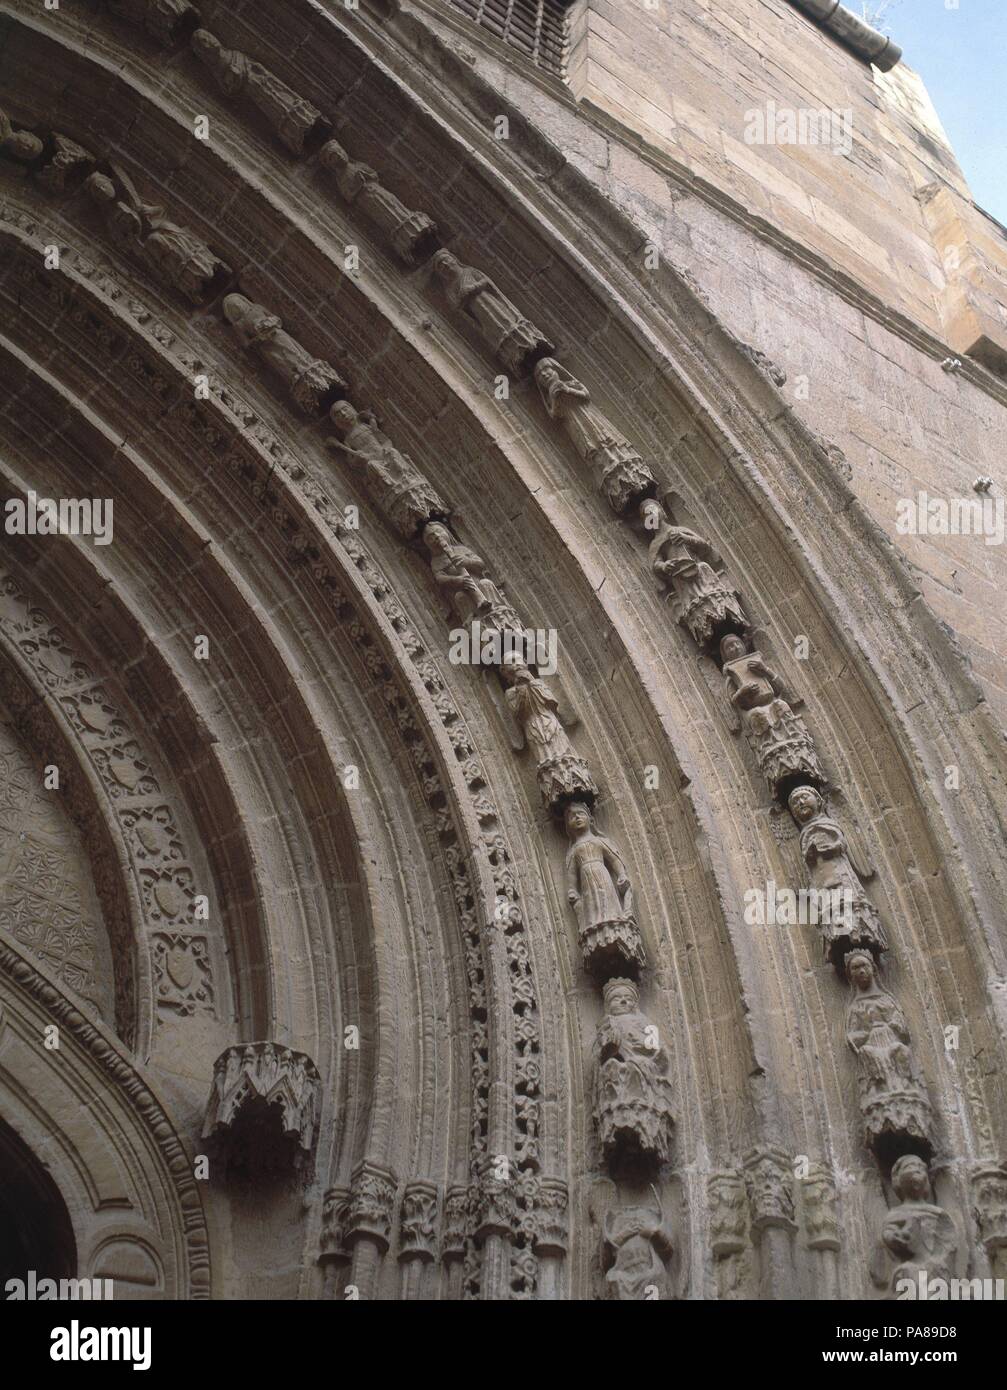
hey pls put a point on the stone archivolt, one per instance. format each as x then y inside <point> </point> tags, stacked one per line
<point>706,604</point>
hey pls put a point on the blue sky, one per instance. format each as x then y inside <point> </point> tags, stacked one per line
<point>961,54</point>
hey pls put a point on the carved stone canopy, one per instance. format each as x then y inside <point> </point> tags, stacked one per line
<point>263,1106</point>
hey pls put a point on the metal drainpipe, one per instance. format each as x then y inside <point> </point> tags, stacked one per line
<point>853,31</point>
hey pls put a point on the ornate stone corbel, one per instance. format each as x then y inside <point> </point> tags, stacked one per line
<point>314,385</point>
<point>702,600</point>
<point>255,1082</point>
<point>515,342</point>
<point>413,235</point>
<point>398,488</point>
<point>620,473</point>
<point>299,125</point>
<point>893,1099</point>
<point>632,1091</point>
<point>834,870</point>
<point>601,895</point>
<point>777,736</point>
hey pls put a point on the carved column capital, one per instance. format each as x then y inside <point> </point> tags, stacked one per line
<point>727,1198</point>
<point>551,1223</point>
<point>335,1214</point>
<point>372,1201</point>
<point>819,1196</point>
<point>418,1221</point>
<point>989,1204</point>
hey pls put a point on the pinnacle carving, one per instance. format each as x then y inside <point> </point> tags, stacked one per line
<point>264,1104</point>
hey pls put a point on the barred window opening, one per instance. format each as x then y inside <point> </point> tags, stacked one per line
<point>536,28</point>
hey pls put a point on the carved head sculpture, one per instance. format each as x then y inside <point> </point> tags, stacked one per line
<point>204,45</point>
<point>546,371</point>
<point>860,969</point>
<point>343,415</point>
<point>621,996</point>
<point>577,818</point>
<point>732,648</point>
<point>437,537</point>
<point>236,308</point>
<point>514,670</point>
<point>651,514</point>
<point>100,188</point>
<point>23,146</point>
<point>805,803</point>
<point>445,265</point>
<point>333,156</point>
<point>910,1179</point>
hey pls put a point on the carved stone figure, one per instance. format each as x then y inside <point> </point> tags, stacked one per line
<point>893,1100</point>
<point>636,1248</point>
<point>413,235</point>
<point>728,1207</point>
<point>989,1206</point>
<point>599,890</point>
<point>562,773</point>
<point>65,163</point>
<point>620,472</point>
<point>177,256</point>
<point>632,1090</point>
<point>701,600</point>
<point>776,735</point>
<point>168,21</point>
<point>299,125</point>
<point>835,869</point>
<point>314,385</point>
<point>397,486</point>
<point>463,576</point>
<point>819,1195</point>
<point>769,1179</point>
<point>253,1078</point>
<point>20,145</point>
<point>516,343</point>
<point>919,1235</point>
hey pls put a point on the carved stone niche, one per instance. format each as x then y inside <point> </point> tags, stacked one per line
<point>632,1091</point>
<point>263,1108</point>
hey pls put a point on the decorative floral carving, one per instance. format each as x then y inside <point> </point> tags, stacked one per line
<point>418,1221</point>
<point>372,1201</point>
